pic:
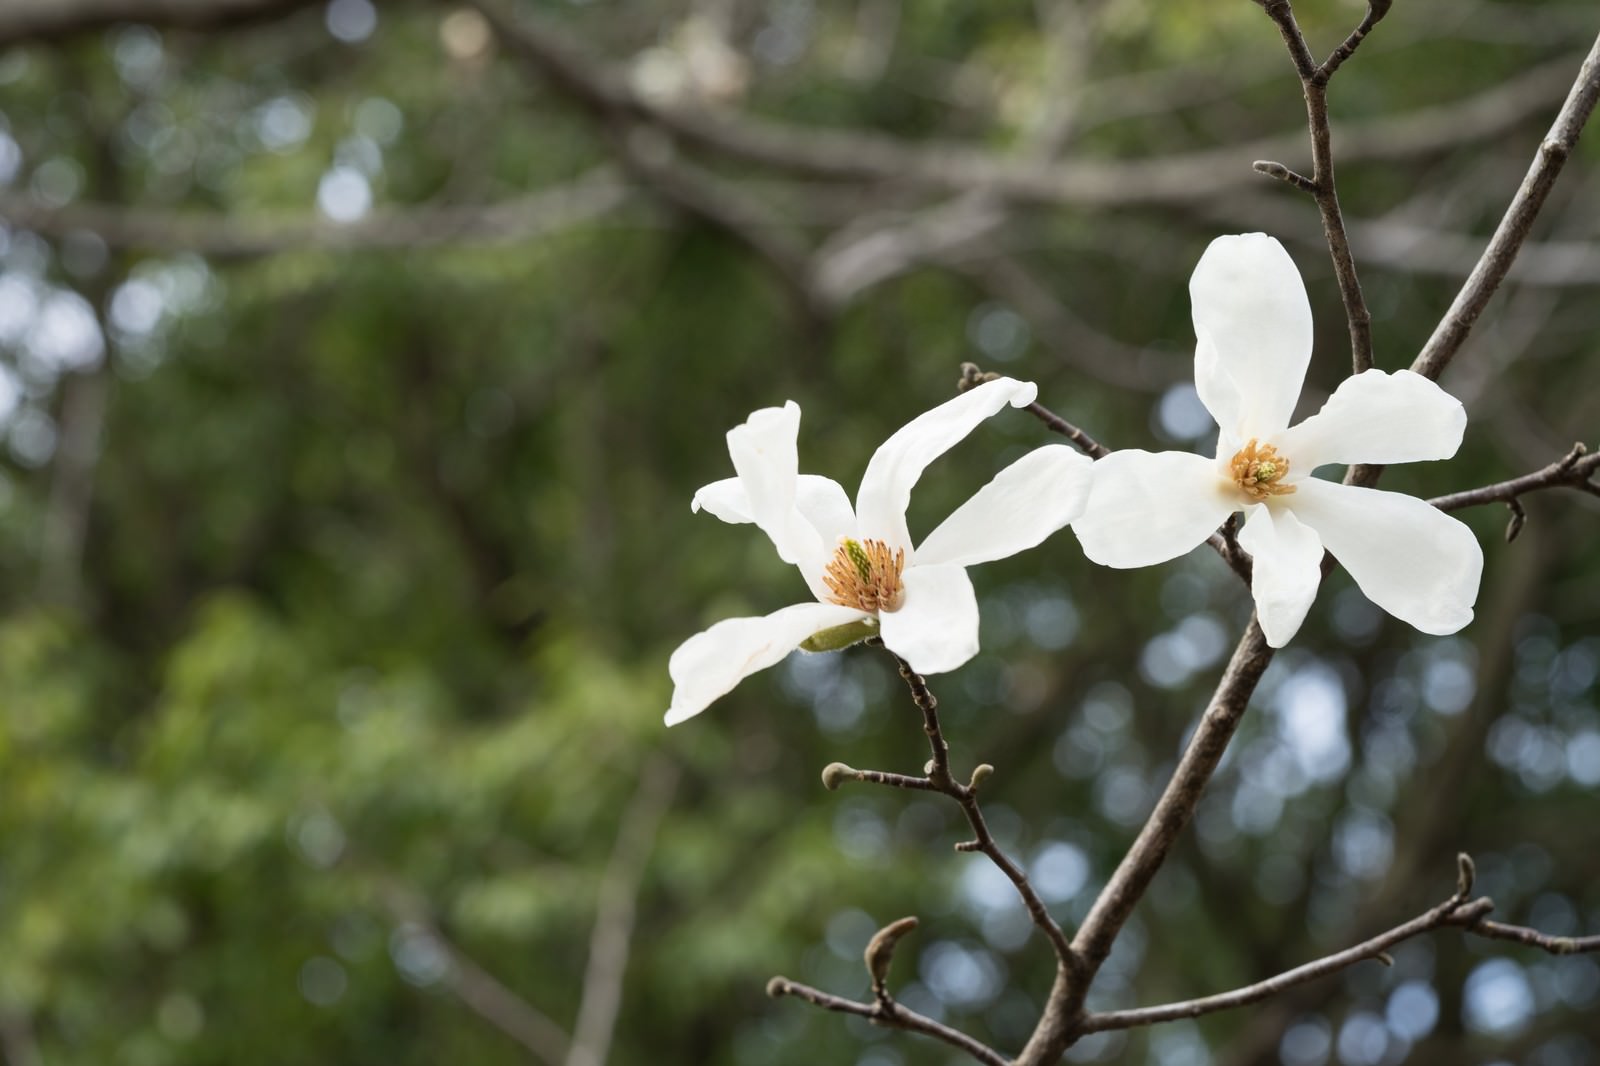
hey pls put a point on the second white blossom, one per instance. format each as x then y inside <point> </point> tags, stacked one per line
<point>1253,326</point>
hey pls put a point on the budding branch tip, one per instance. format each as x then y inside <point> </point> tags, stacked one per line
<point>836,774</point>
<point>980,774</point>
<point>1466,875</point>
<point>880,950</point>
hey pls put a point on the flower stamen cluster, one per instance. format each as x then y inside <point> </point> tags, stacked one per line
<point>1259,470</point>
<point>866,575</point>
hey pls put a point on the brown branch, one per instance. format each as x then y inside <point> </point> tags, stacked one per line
<point>1518,934</point>
<point>1453,911</point>
<point>938,779</point>
<point>967,796</point>
<point>1515,225</point>
<point>1176,805</point>
<point>1322,185</point>
<point>1574,471</point>
<point>837,773</point>
<point>1376,9</point>
<point>890,1014</point>
<point>972,375</point>
<point>615,906</point>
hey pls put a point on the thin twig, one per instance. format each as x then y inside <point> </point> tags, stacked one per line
<point>889,1014</point>
<point>972,375</point>
<point>1574,471</point>
<point>967,797</point>
<point>1376,9</point>
<point>479,990</point>
<point>1453,911</point>
<point>1222,541</point>
<point>1555,945</point>
<point>617,900</point>
<point>1517,222</point>
<point>837,773</point>
<point>1321,185</point>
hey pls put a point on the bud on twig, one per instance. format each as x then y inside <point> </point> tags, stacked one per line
<point>836,774</point>
<point>1466,874</point>
<point>880,951</point>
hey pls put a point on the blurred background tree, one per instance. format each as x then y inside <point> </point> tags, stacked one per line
<point>357,365</point>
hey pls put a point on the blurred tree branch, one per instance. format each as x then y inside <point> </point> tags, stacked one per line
<point>479,990</point>
<point>226,236</point>
<point>1321,184</point>
<point>615,907</point>
<point>28,21</point>
<point>953,167</point>
<point>1517,221</point>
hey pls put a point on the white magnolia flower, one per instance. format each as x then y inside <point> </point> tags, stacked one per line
<point>1253,324</point>
<point>860,564</point>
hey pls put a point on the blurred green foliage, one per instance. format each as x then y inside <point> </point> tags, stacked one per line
<point>364,643</point>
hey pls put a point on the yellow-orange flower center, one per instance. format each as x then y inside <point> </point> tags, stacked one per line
<point>865,574</point>
<point>1259,470</point>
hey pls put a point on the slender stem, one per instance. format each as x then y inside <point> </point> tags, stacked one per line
<point>1571,471</point>
<point>1453,911</point>
<point>973,375</point>
<point>967,796</point>
<point>1555,945</point>
<point>1221,541</point>
<point>1515,225</point>
<point>1322,185</point>
<point>885,1011</point>
<point>617,901</point>
<point>1376,9</point>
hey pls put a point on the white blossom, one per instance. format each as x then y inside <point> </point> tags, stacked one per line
<point>1253,325</point>
<point>859,563</point>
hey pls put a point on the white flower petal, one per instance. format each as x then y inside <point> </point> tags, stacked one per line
<point>896,466</point>
<point>1148,507</point>
<point>725,499</point>
<point>936,628</point>
<point>1252,322</point>
<point>821,500</point>
<point>1374,417</point>
<point>1286,572</point>
<point>826,506</point>
<point>1414,561</point>
<point>763,453</point>
<point>1024,504</point>
<point>711,663</point>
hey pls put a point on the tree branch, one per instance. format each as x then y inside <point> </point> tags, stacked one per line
<point>225,236</point>
<point>1322,185</point>
<point>615,905</point>
<point>1453,911</point>
<point>841,155</point>
<point>938,779</point>
<point>482,993</point>
<point>40,21</point>
<point>890,1014</point>
<point>1517,222</point>
<point>1518,934</point>
<point>1573,471</point>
